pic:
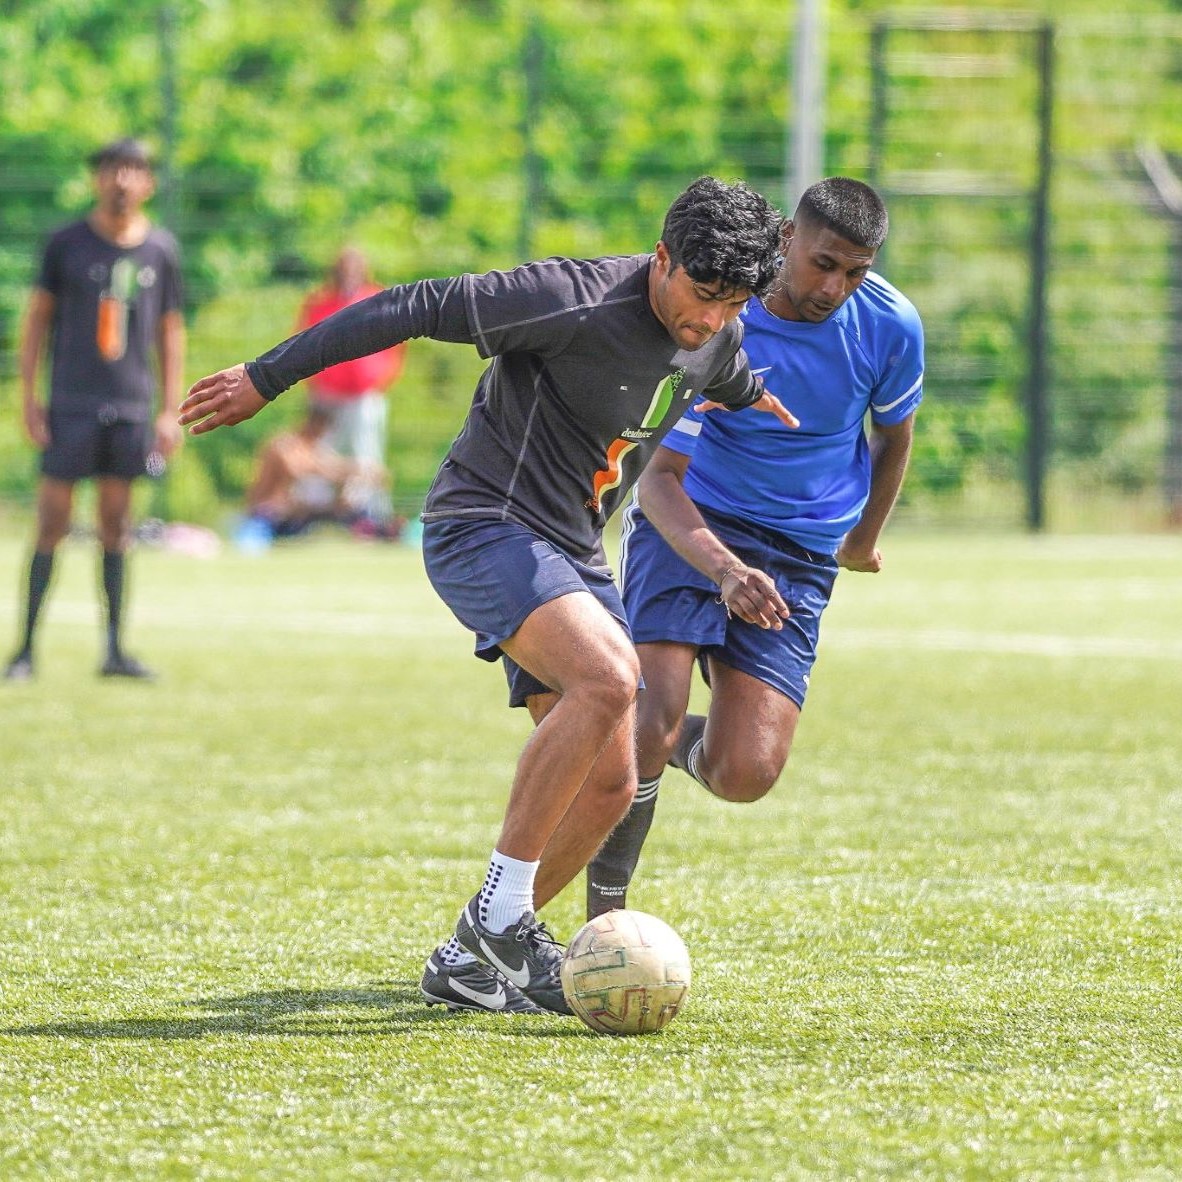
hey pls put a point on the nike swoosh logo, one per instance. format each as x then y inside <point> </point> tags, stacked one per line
<point>490,1001</point>
<point>764,369</point>
<point>519,977</point>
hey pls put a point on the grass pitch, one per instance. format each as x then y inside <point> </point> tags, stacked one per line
<point>945,946</point>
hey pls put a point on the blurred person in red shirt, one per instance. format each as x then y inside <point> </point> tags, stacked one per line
<point>353,393</point>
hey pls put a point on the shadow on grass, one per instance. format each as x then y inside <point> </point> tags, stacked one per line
<point>382,1008</point>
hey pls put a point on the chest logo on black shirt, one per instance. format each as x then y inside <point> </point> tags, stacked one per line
<point>609,477</point>
<point>111,330</point>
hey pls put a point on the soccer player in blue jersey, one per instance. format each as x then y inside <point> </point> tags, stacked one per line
<point>591,363</point>
<point>734,539</point>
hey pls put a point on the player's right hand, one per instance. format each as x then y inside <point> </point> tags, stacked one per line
<point>854,556</point>
<point>37,424</point>
<point>220,400</point>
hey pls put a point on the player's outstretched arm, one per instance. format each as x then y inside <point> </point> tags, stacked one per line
<point>220,400</point>
<point>768,403</point>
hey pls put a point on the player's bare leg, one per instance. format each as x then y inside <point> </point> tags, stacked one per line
<point>581,831</point>
<point>736,752</point>
<point>114,513</point>
<point>573,644</point>
<point>668,671</point>
<point>746,737</point>
<point>55,506</point>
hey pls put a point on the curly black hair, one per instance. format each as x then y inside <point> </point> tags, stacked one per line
<point>724,233</point>
<point>849,208</point>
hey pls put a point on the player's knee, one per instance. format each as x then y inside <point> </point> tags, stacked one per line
<point>114,541</point>
<point>622,795</point>
<point>114,534</point>
<point>743,791</point>
<point>746,779</point>
<point>53,525</point>
<point>50,535</point>
<point>656,735</point>
<point>613,689</point>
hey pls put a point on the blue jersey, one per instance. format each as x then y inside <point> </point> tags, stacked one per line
<point>810,483</point>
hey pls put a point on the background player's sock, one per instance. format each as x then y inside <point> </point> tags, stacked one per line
<point>113,574</point>
<point>508,891</point>
<point>688,753</point>
<point>40,570</point>
<point>611,870</point>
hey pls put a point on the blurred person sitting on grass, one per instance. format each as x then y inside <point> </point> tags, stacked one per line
<point>299,483</point>
<point>107,301</point>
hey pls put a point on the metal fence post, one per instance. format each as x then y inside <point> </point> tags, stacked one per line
<point>1037,396</point>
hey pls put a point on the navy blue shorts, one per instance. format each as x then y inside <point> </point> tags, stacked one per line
<point>667,599</point>
<point>82,446</point>
<point>493,574</point>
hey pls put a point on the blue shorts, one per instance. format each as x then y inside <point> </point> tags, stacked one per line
<point>493,574</point>
<point>668,600</point>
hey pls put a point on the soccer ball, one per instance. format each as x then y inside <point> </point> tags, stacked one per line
<point>626,972</point>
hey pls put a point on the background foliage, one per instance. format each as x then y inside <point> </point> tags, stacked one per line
<point>466,134</point>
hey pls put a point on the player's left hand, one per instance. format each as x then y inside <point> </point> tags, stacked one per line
<point>168,434</point>
<point>768,403</point>
<point>751,595</point>
<point>859,558</point>
<point>220,400</point>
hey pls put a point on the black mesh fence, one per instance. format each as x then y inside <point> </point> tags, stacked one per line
<point>530,140</point>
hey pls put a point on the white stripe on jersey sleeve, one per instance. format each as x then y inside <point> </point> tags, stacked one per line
<point>874,406</point>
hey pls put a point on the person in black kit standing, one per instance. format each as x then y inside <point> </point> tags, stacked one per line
<point>108,296</point>
<point>592,361</point>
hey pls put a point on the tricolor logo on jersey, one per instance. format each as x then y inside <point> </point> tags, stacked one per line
<point>608,478</point>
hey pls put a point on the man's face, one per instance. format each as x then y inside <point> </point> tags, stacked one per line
<point>821,270</point>
<point>122,187</point>
<point>691,312</point>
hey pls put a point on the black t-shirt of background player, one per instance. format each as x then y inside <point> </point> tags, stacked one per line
<point>108,301</point>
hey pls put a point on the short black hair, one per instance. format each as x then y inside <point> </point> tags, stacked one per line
<point>848,208</point>
<point>724,233</point>
<point>124,151</point>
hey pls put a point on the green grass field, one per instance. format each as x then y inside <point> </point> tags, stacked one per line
<point>946,945</point>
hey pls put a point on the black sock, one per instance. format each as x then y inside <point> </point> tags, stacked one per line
<point>611,870</point>
<point>113,568</point>
<point>40,570</point>
<point>692,729</point>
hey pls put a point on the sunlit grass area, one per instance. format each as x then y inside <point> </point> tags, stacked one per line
<point>944,946</point>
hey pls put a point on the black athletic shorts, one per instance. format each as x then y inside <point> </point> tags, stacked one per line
<point>83,445</point>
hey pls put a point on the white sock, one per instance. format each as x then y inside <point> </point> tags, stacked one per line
<point>508,891</point>
<point>452,954</point>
